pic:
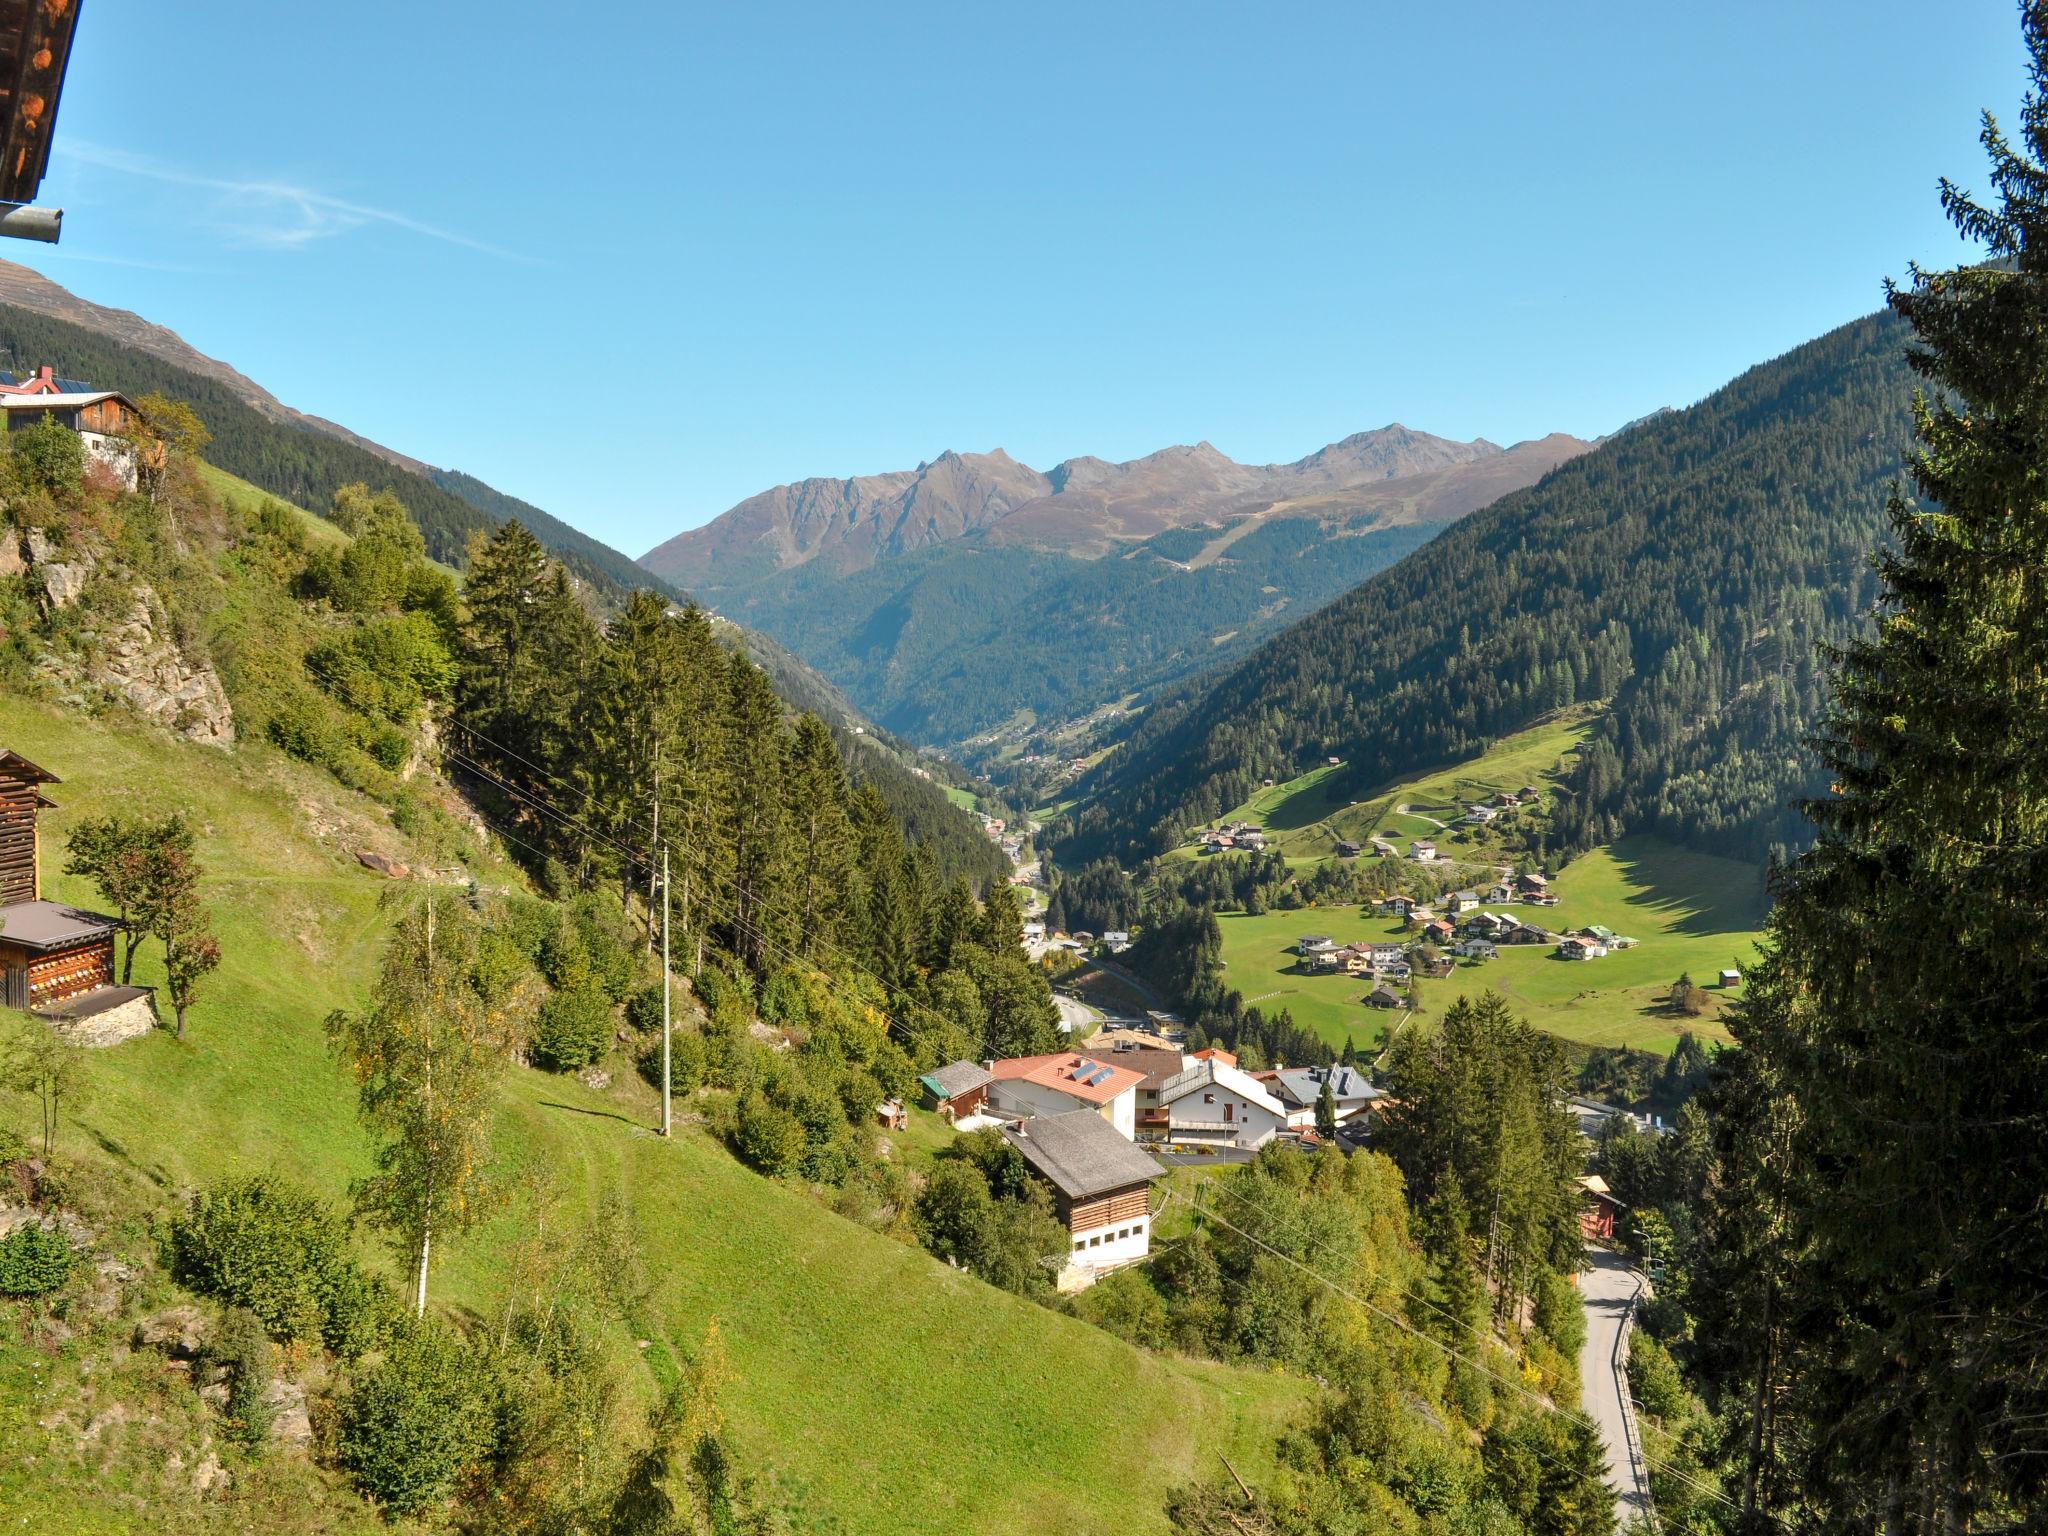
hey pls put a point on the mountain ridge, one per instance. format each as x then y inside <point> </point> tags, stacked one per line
<point>1083,506</point>
<point>1691,570</point>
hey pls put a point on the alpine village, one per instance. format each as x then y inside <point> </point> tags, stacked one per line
<point>1430,989</point>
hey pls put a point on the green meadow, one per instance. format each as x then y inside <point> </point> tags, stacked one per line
<point>884,1387</point>
<point>1692,912</point>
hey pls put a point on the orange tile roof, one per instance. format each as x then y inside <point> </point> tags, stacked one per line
<point>1087,1078</point>
<point>1215,1053</point>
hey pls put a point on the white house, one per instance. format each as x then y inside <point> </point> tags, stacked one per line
<point>1063,1082</point>
<point>1222,1105</point>
<point>1422,851</point>
<point>1101,1188</point>
<point>1573,947</point>
<point>1386,952</point>
<point>1300,1089</point>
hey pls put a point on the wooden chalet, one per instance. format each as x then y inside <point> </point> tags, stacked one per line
<point>52,956</point>
<point>1101,1187</point>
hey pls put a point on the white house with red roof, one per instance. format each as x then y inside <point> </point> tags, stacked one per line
<point>1066,1081</point>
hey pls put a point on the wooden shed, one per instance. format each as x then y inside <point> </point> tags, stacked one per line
<point>50,953</point>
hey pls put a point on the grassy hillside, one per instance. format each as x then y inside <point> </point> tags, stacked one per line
<point>885,1387</point>
<point>1306,817</point>
<point>1692,912</point>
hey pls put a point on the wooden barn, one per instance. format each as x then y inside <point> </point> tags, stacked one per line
<point>51,955</point>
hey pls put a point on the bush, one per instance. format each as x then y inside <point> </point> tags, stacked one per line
<point>244,1350</point>
<point>768,1137</point>
<point>265,1244</point>
<point>415,1423</point>
<point>34,1261</point>
<point>50,456</point>
<point>573,1029</point>
<point>1560,1314</point>
<point>643,1008</point>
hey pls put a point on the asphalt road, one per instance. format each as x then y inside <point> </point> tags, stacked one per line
<point>1609,1290</point>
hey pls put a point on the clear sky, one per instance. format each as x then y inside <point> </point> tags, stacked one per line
<point>635,262</point>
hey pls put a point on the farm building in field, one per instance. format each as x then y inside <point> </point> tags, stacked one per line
<point>55,960</point>
<point>1101,1188</point>
<point>1730,977</point>
<point>956,1090</point>
<point>1383,996</point>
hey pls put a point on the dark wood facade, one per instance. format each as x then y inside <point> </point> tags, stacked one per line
<point>36,974</point>
<point>21,799</point>
<point>32,980</point>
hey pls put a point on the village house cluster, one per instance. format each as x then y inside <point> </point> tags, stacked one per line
<point>1082,1120</point>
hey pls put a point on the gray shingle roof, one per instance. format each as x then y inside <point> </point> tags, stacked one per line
<point>956,1078</point>
<point>1080,1153</point>
<point>1304,1085</point>
<point>50,924</point>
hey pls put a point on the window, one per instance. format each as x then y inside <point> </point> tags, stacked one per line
<point>1079,1244</point>
<point>1095,1241</point>
<point>1208,1098</point>
<point>1138,1230</point>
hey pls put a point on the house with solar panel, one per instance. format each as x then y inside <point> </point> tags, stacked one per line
<point>105,420</point>
<point>1063,1082</point>
<point>1301,1090</point>
<point>1101,1189</point>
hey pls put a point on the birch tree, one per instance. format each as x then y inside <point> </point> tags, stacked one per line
<point>426,1055</point>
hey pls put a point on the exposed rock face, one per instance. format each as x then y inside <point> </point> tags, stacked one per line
<point>291,1424</point>
<point>384,865</point>
<point>139,663</point>
<point>64,581</point>
<point>126,1020</point>
<point>13,555</point>
<point>179,1332</point>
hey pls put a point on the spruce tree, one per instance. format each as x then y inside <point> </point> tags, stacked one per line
<point>1905,1010</point>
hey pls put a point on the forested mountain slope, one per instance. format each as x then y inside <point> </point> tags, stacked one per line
<point>300,458</point>
<point>1689,570</point>
<point>305,466</point>
<point>943,620</point>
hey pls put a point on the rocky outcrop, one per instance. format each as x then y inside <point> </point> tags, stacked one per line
<point>384,865</point>
<point>132,1014</point>
<point>179,1332</point>
<point>139,663</point>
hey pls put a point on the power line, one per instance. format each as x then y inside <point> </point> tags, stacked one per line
<point>905,1001</point>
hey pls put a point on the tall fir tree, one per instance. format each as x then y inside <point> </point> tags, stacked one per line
<point>1904,1013</point>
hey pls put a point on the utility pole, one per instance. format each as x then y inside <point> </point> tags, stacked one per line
<point>666,1122</point>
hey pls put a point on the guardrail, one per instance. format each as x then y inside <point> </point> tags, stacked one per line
<point>1631,1431</point>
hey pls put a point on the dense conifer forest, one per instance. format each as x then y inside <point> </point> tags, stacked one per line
<point>1692,571</point>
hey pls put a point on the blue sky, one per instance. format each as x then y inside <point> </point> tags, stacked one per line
<point>636,262</point>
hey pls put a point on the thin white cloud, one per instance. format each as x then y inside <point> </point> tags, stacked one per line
<point>274,215</point>
<point>65,253</point>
